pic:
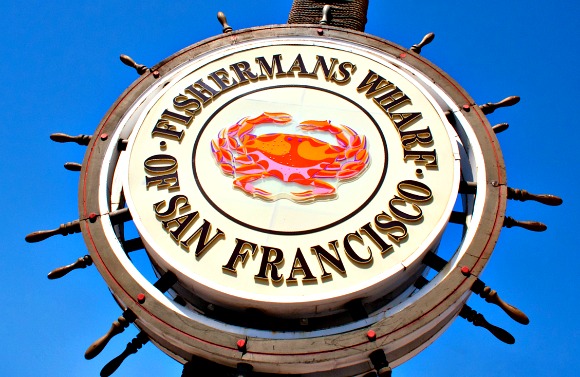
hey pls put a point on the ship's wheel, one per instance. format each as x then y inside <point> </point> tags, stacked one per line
<point>350,284</point>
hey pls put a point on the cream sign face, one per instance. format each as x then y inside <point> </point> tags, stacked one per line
<point>289,177</point>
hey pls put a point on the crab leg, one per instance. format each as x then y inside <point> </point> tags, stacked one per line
<point>319,188</point>
<point>344,135</point>
<point>270,118</point>
<point>248,124</point>
<point>355,157</point>
<point>245,184</point>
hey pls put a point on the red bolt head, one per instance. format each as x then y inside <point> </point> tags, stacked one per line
<point>104,136</point>
<point>241,345</point>
<point>320,31</point>
<point>92,217</point>
<point>466,107</point>
<point>372,335</point>
<point>141,298</point>
<point>465,271</point>
<point>403,55</point>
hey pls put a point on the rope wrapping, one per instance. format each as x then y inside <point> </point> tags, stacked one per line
<point>348,14</point>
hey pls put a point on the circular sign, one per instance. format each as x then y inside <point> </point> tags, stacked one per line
<point>289,177</point>
<point>290,185</point>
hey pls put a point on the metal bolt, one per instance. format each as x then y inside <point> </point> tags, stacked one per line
<point>465,271</point>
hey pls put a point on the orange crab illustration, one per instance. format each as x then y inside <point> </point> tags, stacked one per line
<point>293,158</point>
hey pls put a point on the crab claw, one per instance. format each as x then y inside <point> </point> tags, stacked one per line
<point>227,169</point>
<point>319,125</point>
<point>248,124</point>
<point>343,135</point>
<point>270,118</point>
<point>279,117</point>
<point>262,194</point>
<point>304,195</point>
<point>245,184</point>
<point>319,188</point>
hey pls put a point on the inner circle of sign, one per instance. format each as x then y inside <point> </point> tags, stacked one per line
<point>280,232</point>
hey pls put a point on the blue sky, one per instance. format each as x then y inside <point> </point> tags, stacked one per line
<point>61,72</point>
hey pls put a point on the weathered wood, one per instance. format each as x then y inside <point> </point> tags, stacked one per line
<point>478,320</point>
<point>416,48</point>
<point>82,262</point>
<point>421,282</point>
<point>458,217</point>
<point>490,107</point>
<point>132,347</point>
<point>434,261</point>
<point>122,144</point>
<point>202,367</point>
<point>64,138</point>
<point>492,297</point>
<point>499,128</point>
<point>466,187</point>
<point>73,166</point>
<point>243,370</point>
<point>117,217</point>
<point>224,22</point>
<point>166,281</point>
<point>117,327</point>
<point>129,62</point>
<point>64,230</point>
<point>356,309</point>
<point>534,226</point>
<point>379,360</point>
<point>133,244</point>
<point>523,195</point>
<point>326,15</point>
<point>120,216</point>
